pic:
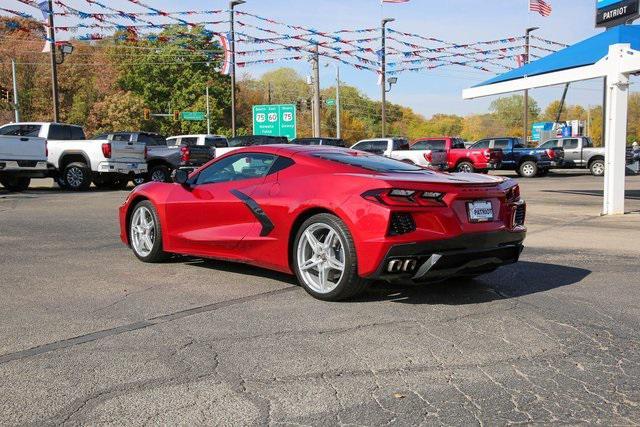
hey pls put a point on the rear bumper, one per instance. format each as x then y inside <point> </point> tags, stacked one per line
<point>126,168</point>
<point>437,260</point>
<point>24,168</point>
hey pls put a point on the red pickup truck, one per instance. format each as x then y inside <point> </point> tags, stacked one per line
<point>460,158</point>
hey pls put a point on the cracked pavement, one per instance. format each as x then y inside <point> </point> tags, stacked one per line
<point>89,335</point>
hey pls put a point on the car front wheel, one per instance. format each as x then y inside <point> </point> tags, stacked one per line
<point>325,260</point>
<point>77,176</point>
<point>465,167</point>
<point>528,169</point>
<point>145,234</point>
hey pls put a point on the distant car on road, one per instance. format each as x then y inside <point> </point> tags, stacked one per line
<point>527,162</point>
<point>579,152</point>
<point>334,142</point>
<point>75,162</point>
<point>336,218</point>
<point>459,158</point>
<point>22,157</point>
<point>399,149</point>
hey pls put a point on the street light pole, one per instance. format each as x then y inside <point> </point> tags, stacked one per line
<point>527,39</point>
<point>16,105</point>
<point>54,65</point>
<point>232,5</point>
<point>208,112</point>
<point>317,107</point>
<point>383,71</point>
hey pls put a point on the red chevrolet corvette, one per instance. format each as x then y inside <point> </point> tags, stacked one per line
<point>336,218</point>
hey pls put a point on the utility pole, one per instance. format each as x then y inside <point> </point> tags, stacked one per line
<point>383,71</point>
<point>315,62</point>
<point>269,93</point>
<point>208,116</point>
<point>338,130</point>
<point>16,106</point>
<point>527,40</point>
<point>54,65</point>
<point>232,5</point>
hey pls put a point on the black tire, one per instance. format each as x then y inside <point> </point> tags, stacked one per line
<point>15,184</point>
<point>465,167</point>
<point>528,169</point>
<point>160,173</point>
<point>597,167</point>
<point>350,284</point>
<point>58,180</point>
<point>139,179</point>
<point>77,176</point>
<point>156,254</point>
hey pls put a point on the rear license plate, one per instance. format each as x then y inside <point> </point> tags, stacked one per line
<point>480,211</point>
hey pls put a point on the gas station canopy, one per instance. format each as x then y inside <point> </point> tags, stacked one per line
<point>614,55</point>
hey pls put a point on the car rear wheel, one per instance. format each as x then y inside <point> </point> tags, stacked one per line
<point>15,184</point>
<point>325,259</point>
<point>528,169</point>
<point>160,174</point>
<point>77,176</point>
<point>145,234</point>
<point>597,168</point>
<point>465,167</point>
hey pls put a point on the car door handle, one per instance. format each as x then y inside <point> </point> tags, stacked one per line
<point>24,139</point>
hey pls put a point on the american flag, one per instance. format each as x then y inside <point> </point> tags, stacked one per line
<point>540,6</point>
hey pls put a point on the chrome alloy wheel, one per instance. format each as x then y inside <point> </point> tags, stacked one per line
<point>464,167</point>
<point>142,231</point>
<point>598,168</point>
<point>74,177</point>
<point>320,256</point>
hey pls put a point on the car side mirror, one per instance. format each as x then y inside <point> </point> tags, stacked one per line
<point>181,177</point>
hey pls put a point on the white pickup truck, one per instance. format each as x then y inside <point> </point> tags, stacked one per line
<point>22,157</point>
<point>75,162</point>
<point>398,148</point>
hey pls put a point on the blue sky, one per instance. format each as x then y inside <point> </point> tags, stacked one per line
<point>463,21</point>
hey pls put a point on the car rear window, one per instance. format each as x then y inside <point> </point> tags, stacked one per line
<point>369,162</point>
<point>306,141</point>
<point>435,144</point>
<point>215,142</point>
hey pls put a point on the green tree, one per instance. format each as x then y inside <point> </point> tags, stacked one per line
<point>509,112</point>
<point>118,112</point>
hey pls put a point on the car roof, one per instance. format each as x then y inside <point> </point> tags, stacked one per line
<point>43,123</point>
<point>196,136</point>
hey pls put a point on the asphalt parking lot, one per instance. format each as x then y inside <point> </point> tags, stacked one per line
<point>90,335</point>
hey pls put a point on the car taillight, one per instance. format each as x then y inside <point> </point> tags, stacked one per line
<point>551,153</point>
<point>186,153</point>
<point>487,154</point>
<point>428,156</point>
<point>106,150</point>
<point>404,198</point>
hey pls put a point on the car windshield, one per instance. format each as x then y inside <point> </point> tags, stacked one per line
<point>369,162</point>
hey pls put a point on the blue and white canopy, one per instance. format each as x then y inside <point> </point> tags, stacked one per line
<point>559,67</point>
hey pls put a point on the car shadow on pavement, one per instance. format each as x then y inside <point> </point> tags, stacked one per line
<point>234,267</point>
<point>523,278</point>
<point>629,194</point>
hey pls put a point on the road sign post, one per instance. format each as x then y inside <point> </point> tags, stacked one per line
<point>275,120</point>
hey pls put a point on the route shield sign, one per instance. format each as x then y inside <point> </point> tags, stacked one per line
<point>275,120</point>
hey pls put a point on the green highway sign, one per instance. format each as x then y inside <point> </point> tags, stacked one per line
<point>275,120</point>
<point>195,116</point>
<point>331,102</point>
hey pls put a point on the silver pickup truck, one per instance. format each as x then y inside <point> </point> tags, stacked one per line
<point>579,152</point>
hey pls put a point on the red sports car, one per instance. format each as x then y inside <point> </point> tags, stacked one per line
<point>337,218</point>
